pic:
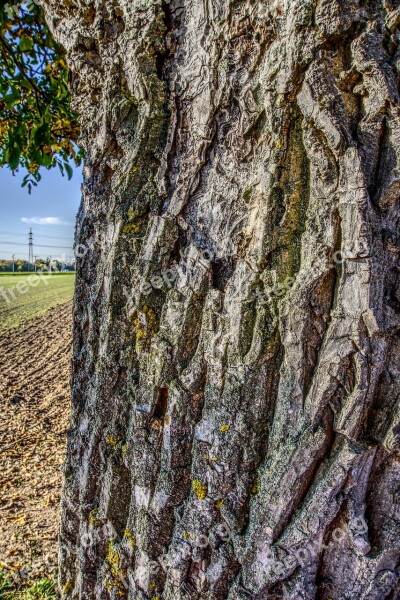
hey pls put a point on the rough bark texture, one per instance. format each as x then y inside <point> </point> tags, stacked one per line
<point>257,385</point>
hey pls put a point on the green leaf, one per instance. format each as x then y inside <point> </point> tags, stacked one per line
<point>34,96</point>
<point>13,98</point>
<point>26,44</point>
<point>68,170</point>
<point>40,135</point>
<point>47,161</point>
<point>13,157</point>
<point>26,84</point>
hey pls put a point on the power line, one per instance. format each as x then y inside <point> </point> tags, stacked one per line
<point>37,245</point>
<point>13,243</point>
<point>49,237</point>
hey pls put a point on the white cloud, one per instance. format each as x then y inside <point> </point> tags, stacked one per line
<point>43,221</point>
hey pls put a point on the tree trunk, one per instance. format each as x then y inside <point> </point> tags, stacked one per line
<point>235,416</point>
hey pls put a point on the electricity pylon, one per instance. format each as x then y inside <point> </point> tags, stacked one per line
<point>30,260</point>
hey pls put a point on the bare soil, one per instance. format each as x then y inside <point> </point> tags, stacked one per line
<point>34,411</point>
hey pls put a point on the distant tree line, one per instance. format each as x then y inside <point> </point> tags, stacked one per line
<point>20,265</point>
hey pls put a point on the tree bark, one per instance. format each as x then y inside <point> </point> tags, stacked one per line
<point>235,414</point>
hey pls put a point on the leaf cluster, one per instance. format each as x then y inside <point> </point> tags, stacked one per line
<point>38,127</point>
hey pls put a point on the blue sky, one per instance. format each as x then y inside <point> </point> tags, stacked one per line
<point>50,210</point>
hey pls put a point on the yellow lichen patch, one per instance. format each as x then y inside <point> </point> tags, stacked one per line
<point>113,441</point>
<point>224,428</point>
<point>135,219</point>
<point>255,488</point>
<point>112,557</point>
<point>132,214</point>
<point>219,503</point>
<point>117,572</point>
<point>124,450</point>
<point>67,587</point>
<point>214,458</point>
<point>131,228</point>
<point>109,585</point>
<point>115,587</point>
<point>152,319</point>
<point>200,489</point>
<point>146,326</point>
<point>93,520</point>
<point>130,539</point>
<point>186,535</point>
<point>135,223</point>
